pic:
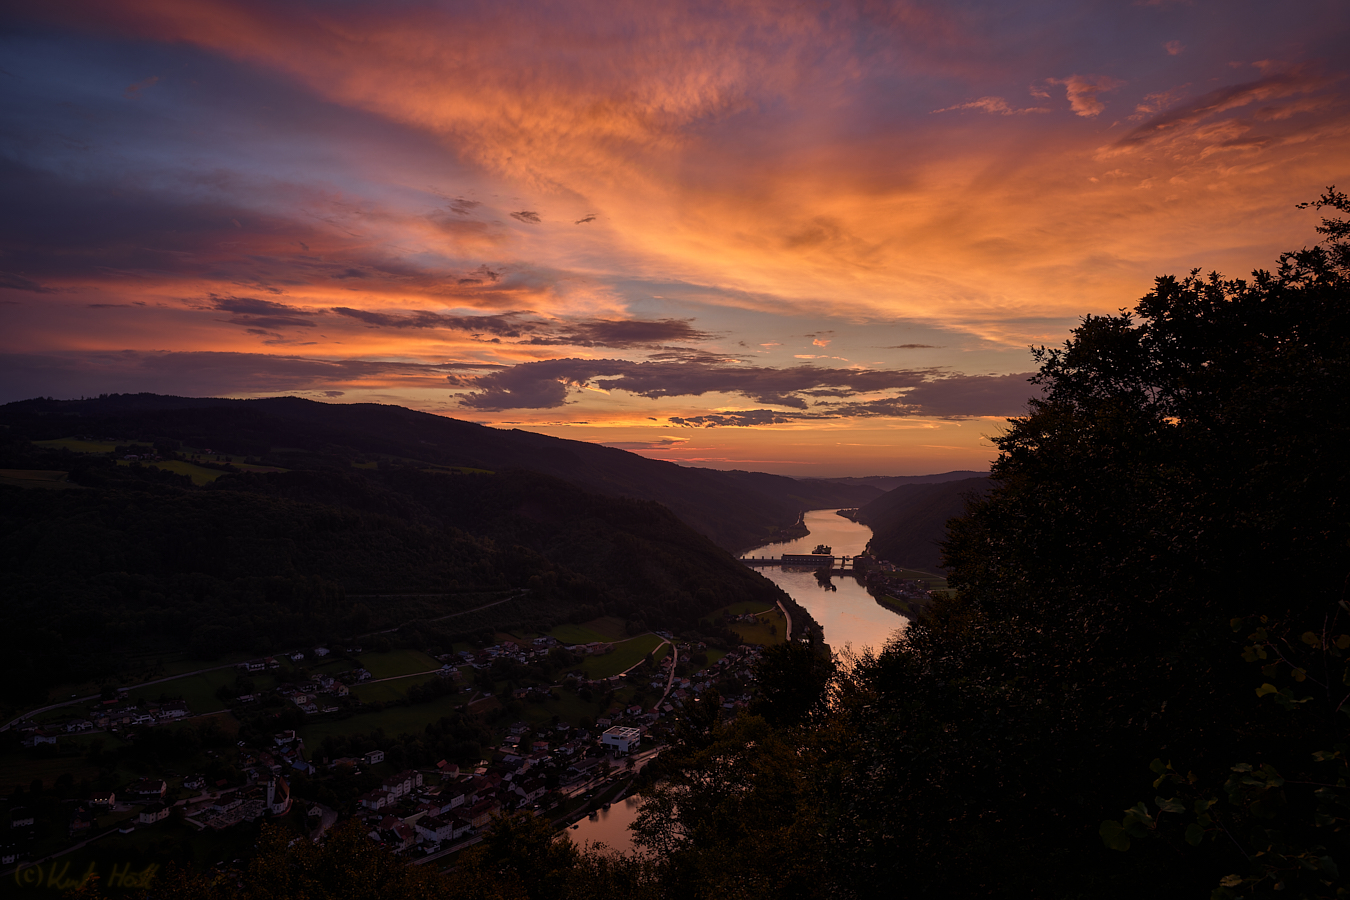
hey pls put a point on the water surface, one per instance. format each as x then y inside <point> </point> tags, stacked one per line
<point>610,827</point>
<point>848,613</point>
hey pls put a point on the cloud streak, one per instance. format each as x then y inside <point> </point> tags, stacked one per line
<point>254,313</point>
<point>186,373</point>
<point>995,105</point>
<point>527,329</point>
<point>1184,119</point>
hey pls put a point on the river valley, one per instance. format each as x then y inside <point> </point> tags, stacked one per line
<point>850,616</point>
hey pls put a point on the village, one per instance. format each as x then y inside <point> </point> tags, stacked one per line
<point>554,767</point>
<point>882,577</point>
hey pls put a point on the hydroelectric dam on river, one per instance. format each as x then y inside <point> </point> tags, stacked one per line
<point>810,560</point>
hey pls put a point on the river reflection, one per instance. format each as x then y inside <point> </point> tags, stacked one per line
<point>610,827</point>
<point>842,606</point>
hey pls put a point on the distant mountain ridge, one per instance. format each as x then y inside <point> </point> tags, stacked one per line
<point>909,523</point>
<point>737,510</point>
<point>891,482</point>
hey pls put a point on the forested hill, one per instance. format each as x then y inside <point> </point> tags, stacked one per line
<point>909,523</point>
<point>127,563</point>
<point>737,510</point>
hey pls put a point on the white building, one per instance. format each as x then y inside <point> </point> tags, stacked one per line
<point>431,828</point>
<point>153,813</point>
<point>278,796</point>
<point>622,739</point>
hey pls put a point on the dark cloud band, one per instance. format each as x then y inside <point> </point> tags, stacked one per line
<point>541,385</point>
<point>545,385</point>
<point>201,374</point>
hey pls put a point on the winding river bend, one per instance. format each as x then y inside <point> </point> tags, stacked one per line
<point>849,615</point>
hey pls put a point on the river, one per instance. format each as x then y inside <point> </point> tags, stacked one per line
<point>609,827</point>
<point>848,614</point>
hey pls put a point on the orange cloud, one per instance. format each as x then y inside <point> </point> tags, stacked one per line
<point>636,113</point>
<point>657,185</point>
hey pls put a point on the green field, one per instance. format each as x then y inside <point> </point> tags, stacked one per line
<point>754,634</point>
<point>568,707</point>
<point>198,690</point>
<point>332,665</point>
<point>760,633</point>
<point>181,664</point>
<point>385,691</point>
<point>171,663</point>
<point>77,445</point>
<point>411,719</point>
<point>935,582</point>
<point>397,662</point>
<point>199,474</point>
<point>20,769</point>
<point>607,629</point>
<point>737,609</point>
<point>59,715</point>
<point>576,634</point>
<point>624,656</point>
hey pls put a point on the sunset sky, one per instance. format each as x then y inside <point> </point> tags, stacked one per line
<point>807,238</point>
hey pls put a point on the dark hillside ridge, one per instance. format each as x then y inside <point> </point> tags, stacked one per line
<point>891,482</point>
<point>806,493</point>
<point>136,563</point>
<point>909,523</point>
<point>737,510</point>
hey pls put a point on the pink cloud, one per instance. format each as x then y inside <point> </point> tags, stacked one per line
<point>1082,91</point>
<point>1188,118</point>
